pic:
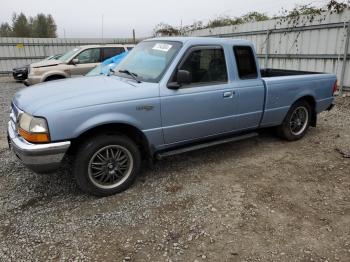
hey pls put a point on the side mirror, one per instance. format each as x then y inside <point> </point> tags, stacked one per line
<point>183,77</point>
<point>75,61</point>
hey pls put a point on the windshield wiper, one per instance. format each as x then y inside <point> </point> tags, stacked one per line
<point>133,75</point>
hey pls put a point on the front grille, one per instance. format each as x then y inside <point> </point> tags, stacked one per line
<point>14,115</point>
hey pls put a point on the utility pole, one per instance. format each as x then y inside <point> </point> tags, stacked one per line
<point>267,52</point>
<point>102,26</point>
<point>345,56</point>
<point>181,33</point>
<point>133,36</point>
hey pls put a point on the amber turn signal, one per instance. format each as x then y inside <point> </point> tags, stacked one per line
<point>34,137</point>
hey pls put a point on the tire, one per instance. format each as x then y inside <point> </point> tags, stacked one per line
<point>295,126</point>
<point>100,168</point>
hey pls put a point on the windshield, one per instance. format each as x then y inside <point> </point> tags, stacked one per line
<point>149,60</point>
<point>65,58</point>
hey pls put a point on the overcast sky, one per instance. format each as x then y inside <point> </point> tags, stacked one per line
<point>83,18</point>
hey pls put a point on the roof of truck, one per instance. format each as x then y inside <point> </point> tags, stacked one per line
<point>203,40</point>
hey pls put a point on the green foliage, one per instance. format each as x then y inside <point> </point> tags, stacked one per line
<point>43,26</point>
<point>223,21</point>
<point>226,20</point>
<point>20,26</point>
<point>169,30</point>
<point>332,6</point>
<point>292,16</point>
<point>254,17</point>
<point>195,26</point>
<point>5,30</point>
<point>166,30</point>
<point>39,26</point>
<point>337,7</point>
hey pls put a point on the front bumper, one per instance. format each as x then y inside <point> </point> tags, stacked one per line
<point>32,80</point>
<point>20,75</point>
<point>41,158</point>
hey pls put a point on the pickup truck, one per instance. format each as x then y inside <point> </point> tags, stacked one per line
<point>168,96</point>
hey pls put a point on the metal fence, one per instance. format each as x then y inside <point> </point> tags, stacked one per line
<point>319,43</point>
<point>16,51</point>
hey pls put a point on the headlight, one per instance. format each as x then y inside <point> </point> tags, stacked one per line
<point>33,129</point>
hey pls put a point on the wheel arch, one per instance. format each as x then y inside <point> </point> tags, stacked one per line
<point>310,99</point>
<point>128,130</point>
<point>56,75</point>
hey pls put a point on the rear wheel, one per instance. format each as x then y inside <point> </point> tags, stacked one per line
<point>297,121</point>
<point>106,165</point>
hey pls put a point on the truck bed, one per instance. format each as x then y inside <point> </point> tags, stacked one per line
<point>284,87</point>
<point>270,72</point>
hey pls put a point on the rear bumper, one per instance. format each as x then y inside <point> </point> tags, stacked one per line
<point>41,158</point>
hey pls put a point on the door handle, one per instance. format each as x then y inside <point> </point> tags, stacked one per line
<point>228,94</point>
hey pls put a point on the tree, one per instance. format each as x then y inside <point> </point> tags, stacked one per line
<point>44,26</point>
<point>5,30</point>
<point>39,26</point>
<point>20,26</point>
<point>51,26</point>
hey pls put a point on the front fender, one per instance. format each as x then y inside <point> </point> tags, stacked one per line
<point>54,73</point>
<point>70,124</point>
<point>103,119</point>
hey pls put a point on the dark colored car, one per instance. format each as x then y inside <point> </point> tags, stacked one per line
<point>21,73</point>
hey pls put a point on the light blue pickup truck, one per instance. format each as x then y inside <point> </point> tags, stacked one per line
<point>168,96</point>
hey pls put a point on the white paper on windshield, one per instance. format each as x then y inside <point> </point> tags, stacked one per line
<point>162,47</point>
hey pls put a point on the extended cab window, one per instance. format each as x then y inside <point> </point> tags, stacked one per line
<point>109,52</point>
<point>245,62</point>
<point>89,56</point>
<point>205,66</point>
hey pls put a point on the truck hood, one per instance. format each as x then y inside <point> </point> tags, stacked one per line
<point>78,92</point>
<point>45,63</point>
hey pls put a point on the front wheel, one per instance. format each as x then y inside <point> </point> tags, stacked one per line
<point>297,121</point>
<point>106,165</point>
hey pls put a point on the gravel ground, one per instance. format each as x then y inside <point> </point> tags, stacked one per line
<point>257,200</point>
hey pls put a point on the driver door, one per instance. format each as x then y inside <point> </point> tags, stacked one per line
<point>206,105</point>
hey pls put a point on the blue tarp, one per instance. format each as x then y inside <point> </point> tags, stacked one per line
<point>108,64</point>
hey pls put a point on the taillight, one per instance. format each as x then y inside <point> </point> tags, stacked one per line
<point>335,87</point>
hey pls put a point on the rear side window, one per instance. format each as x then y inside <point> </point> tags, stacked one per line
<point>108,52</point>
<point>245,62</point>
<point>206,66</point>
